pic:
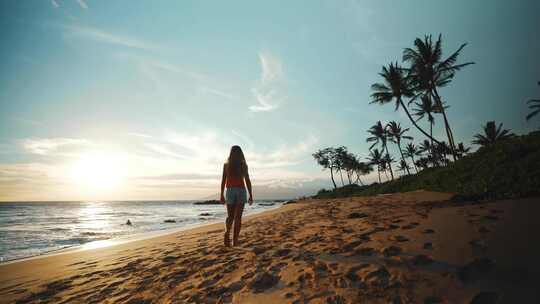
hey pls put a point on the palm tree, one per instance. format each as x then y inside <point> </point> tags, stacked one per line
<point>362,168</point>
<point>403,166</point>
<point>325,159</point>
<point>386,162</point>
<point>340,156</point>
<point>396,135</point>
<point>461,150</point>
<point>396,86</point>
<point>375,158</point>
<point>430,71</point>
<point>379,136</point>
<point>411,151</point>
<point>534,105</point>
<point>492,134</point>
<point>427,107</point>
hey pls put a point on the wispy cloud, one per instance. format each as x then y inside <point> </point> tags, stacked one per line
<point>109,38</point>
<point>55,4</point>
<point>48,145</point>
<point>266,90</point>
<point>82,4</point>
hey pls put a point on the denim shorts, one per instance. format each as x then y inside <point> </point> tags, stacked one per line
<point>236,195</point>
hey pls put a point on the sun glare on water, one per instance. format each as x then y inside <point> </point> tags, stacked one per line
<point>97,171</point>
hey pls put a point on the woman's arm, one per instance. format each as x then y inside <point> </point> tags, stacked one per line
<point>223,178</point>
<point>248,184</point>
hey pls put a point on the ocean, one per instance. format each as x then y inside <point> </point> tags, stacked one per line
<point>29,229</point>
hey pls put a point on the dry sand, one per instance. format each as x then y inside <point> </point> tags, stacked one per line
<point>414,247</point>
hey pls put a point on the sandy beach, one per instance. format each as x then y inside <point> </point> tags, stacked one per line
<point>415,247</point>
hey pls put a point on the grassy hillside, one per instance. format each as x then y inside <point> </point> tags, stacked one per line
<point>508,169</point>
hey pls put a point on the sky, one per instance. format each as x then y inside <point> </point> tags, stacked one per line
<point>122,100</point>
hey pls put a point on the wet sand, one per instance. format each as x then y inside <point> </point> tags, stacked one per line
<point>414,247</point>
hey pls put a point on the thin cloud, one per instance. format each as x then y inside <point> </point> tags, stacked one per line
<point>48,145</point>
<point>109,38</point>
<point>266,90</point>
<point>55,4</point>
<point>82,4</point>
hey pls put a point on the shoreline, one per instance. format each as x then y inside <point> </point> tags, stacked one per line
<point>99,244</point>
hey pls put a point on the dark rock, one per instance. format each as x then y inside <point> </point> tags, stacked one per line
<point>356,215</point>
<point>485,297</point>
<point>476,269</point>
<point>169,221</point>
<point>205,214</point>
<point>128,223</point>
<point>208,202</point>
<point>290,202</point>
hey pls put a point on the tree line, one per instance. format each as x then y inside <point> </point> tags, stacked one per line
<point>414,89</point>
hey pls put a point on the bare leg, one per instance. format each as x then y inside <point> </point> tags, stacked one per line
<point>237,222</point>
<point>228,223</point>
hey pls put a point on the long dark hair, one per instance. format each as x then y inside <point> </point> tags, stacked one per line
<point>236,164</point>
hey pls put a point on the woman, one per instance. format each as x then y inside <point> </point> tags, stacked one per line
<point>235,172</point>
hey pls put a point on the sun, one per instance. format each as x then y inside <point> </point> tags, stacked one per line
<point>97,171</point>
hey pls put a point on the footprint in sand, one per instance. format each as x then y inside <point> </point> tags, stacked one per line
<point>428,231</point>
<point>485,297</point>
<point>483,230</point>
<point>365,251</point>
<point>421,260</point>
<point>392,251</point>
<point>476,269</point>
<point>428,245</point>
<point>399,238</point>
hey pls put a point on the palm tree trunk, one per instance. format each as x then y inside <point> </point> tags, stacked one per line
<point>379,172</point>
<point>386,173</point>
<point>341,174</point>
<point>446,124</point>
<point>414,122</point>
<point>431,132</point>
<point>332,177</point>
<point>402,157</point>
<point>414,164</point>
<point>389,163</point>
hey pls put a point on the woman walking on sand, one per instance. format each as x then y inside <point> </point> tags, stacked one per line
<point>235,172</point>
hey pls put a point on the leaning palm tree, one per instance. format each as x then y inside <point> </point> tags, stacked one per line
<point>387,163</point>
<point>427,108</point>
<point>362,168</point>
<point>375,159</point>
<point>430,71</point>
<point>411,151</point>
<point>534,105</point>
<point>395,87</point>
<point>396,134</point>
<point>404,167</point>
<point>492,134</point>
<point>379,135</point>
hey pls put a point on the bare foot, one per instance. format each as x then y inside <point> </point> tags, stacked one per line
<point>227,240</point>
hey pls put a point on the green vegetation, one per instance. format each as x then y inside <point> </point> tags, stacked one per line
<point>509,168</point>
